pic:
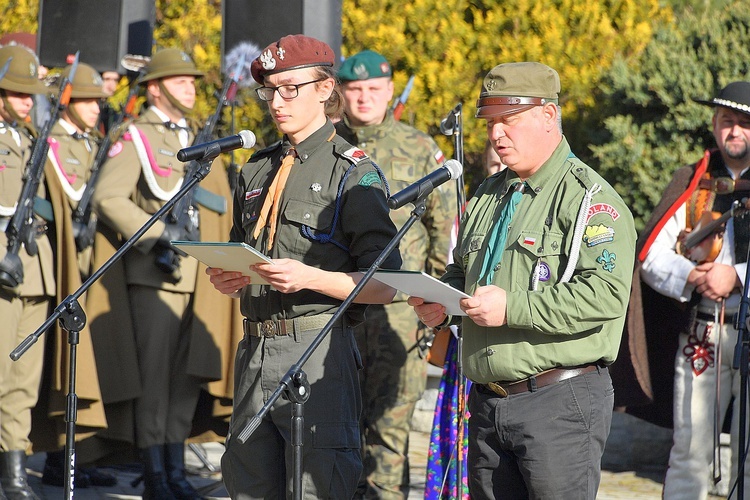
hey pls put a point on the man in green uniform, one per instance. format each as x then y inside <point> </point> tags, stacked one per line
<point>24,308</point>
<point>395,368</point>
<point>173,332</point>
<point>546,251</point>
<point>316,206</point>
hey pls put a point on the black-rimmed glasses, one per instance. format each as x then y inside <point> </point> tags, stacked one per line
<point>288,91</point>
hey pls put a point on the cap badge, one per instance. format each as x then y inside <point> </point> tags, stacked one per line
<point>280,52</point>
<point>361,71</point>
<point>491,85</point>
<point>384,68</point>
<point>316,187</point>
<point>267,60</point>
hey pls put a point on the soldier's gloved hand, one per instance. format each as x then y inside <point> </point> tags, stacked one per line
<point>171,233</point>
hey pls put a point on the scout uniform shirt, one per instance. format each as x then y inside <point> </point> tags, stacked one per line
<point>549,323</point>
<point>15,151</point>
<point>406,155</point>
<point>357,230</point>
<point>140,176</point>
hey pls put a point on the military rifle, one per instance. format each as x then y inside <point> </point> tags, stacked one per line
<point>21,229</point>
<point>184,214</point>
<point>400,103</point>
<point>84,221</point>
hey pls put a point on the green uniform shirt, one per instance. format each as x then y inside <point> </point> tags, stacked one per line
<point>405,155</point>
<point>309,199</point>
<point>559,324</point>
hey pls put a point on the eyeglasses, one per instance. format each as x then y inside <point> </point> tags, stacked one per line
<point>288,91</point>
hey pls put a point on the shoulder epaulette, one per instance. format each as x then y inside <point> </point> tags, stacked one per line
<point>581,172</point>
<point>267,150</point>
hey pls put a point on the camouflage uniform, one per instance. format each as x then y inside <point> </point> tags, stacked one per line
<point>395,371</point>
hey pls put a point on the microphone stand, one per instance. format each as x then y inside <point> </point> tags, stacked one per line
<point>457,132</point>
<point>294,382</point>
<point>73,318</point>
<point>741,360</point>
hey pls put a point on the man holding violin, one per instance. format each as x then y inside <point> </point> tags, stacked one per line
<point>703,282</point>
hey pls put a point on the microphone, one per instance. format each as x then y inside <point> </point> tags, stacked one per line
<point>244,139</point>
<point>451,169</point>
<point>448,124</point>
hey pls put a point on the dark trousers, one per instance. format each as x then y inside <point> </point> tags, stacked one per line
<point>545,444</point>
<point>262,467</point>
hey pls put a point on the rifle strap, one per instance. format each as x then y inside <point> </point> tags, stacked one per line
<point>211,201</point>
<point>43,209</point>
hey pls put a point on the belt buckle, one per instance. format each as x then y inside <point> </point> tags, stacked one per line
<point>722,185</point>
<point>268,328</point>
<point>497,389</point>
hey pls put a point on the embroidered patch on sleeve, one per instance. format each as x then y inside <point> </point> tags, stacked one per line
<point>607,260</point>
<point>115,150</point>
<point>600,233</point>
<point>439,157</point>
<point>605,208</point>
<point>356,155</point>
<point>369,179</point>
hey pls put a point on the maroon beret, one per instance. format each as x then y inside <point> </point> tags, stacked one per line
<point>291,52</point>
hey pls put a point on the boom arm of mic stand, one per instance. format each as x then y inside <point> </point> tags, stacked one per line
<point>73,319</point>
<point>741,360</point>
<point>289,382</point>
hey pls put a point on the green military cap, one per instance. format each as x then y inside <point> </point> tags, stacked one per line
<point>363,66</point>
<point>169,62</point>
<point>514,87</point>
<point>22,75</point>
<point>87,82</point>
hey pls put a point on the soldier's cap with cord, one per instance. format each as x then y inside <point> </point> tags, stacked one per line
<point>87,82</point>
<point>291,52</point>
<point>169,62</point>
<point>515,87</point>
<point>735,95</point>
<point>22,75</point>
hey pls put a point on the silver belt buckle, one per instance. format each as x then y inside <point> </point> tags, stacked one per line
<point>268,328</point>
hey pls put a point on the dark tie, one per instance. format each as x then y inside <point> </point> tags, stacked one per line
<point>496,243</point>
<point>82,137</point>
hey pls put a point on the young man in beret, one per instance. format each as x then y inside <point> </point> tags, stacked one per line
<point>395,369</point>
<point>690,296</point>
<point>316,206</point>
<point>545,249</point>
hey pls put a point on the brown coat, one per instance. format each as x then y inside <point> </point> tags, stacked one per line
<point>214,336</point>
<point>48,425</point>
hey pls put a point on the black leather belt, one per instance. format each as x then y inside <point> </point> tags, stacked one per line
<point>728,317</point>
<point>274,327</point>
<point>531,384</point>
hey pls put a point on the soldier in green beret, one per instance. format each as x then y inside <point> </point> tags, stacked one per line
<point>395,369</point>
<point>24,308</point>
<point>546,250</point>
<point>316,206</point>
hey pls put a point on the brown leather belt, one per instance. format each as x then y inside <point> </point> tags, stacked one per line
<point>531,384</point>
<point>724,185</point>
<point>274,327</point>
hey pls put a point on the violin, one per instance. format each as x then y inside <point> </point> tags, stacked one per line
<point>703,243</point>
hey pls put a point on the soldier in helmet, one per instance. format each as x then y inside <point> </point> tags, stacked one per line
<point>72,148</point>
<point>173,326</point>
<point>24,308</point>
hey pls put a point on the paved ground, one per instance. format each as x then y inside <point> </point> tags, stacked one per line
<point>628,485</point>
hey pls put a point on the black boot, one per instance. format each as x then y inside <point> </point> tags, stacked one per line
<point>154,476</point>
<point>13,476</point>
<point>175,464</point>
